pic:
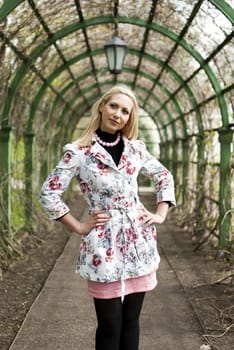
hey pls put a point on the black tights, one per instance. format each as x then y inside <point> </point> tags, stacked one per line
<point>118,323</point>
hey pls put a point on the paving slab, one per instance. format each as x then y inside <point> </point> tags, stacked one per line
<point>62,316</point>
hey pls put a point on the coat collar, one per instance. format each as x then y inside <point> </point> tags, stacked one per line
<point>101,154</point>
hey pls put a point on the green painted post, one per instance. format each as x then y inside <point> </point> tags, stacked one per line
<point>28,171</point>
<point>50,160</point>
<point>57,151</point>
<point>5,175</point>
<point>174,145</point>
<point>200,162</point>
<point>225,139</point>
<point>166,154</point>
<point>200,183</point>
<point>162,155</point>
<point>185,162</point>
<point>44,171</point>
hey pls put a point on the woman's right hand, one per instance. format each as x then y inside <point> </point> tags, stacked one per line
<point>97,218</point>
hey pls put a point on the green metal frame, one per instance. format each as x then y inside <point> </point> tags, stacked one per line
<point>225,131</point>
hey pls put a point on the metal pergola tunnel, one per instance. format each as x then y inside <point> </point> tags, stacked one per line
<point>179,63</point>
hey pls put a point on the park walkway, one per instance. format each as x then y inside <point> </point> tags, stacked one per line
<point>62,316</point>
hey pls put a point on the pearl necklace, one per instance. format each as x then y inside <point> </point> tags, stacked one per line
<point>108,144</point>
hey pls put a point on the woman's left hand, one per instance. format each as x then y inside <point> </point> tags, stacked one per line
<point>148,218</point>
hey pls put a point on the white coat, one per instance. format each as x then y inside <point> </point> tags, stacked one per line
<point>122,248</point>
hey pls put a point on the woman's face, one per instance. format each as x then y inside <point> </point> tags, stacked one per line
<point>115,113</point>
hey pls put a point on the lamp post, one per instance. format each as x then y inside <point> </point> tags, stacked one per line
<point>115,51</point>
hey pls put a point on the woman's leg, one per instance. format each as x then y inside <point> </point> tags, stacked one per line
<point>109,318</point>
<point>130,321</point>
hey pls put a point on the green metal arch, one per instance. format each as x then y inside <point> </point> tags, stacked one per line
<point>153,59</point>
<point>171,119</point>
<point>63,67</point>
<point>140,99</point>
<point>225,134</point>
<point>53,76</point>
<point>94,86</point>
<point>221,5</point>
<point>97,96</point>
<point>61,139</point>
<point>70,84</point>
<point>85,75</point>
<point>102,20</point>
<point>8,7</point>
<point>225,8</point>
<point>94,97</point>
<point>66,88</point>
<point>203,64</point>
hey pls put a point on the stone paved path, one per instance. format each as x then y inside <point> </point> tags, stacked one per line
<point>62,316</point>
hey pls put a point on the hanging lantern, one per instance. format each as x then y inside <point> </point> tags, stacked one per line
<point>115,51</point>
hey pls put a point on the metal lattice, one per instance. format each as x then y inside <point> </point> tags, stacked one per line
<point>179,63</point>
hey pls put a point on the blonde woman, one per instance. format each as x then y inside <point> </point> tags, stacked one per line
<point>118,253</point>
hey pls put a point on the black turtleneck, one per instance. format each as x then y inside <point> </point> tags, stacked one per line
<point>115,151</point>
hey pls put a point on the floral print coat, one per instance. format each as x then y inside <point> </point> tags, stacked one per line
<point>122,248</point>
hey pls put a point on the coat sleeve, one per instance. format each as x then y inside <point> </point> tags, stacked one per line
<point>58,181</point>
<point>159,174</point>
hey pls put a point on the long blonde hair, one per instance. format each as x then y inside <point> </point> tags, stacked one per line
<point>130,130</point>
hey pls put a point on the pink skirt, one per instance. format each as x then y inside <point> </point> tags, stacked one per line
<point>114,289</point>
